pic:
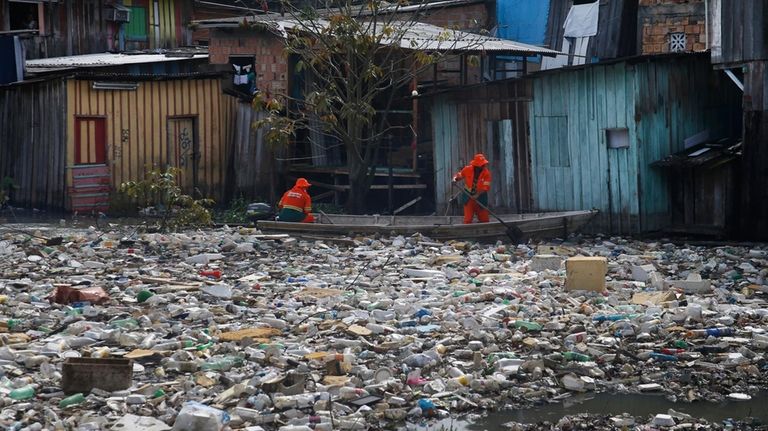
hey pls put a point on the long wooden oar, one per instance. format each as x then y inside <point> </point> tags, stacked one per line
<point>513,232</point>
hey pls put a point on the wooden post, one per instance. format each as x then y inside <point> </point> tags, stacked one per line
<point>390,190</point>
<point>415,125</point>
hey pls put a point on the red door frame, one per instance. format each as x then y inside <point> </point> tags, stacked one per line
<point>100,136</point>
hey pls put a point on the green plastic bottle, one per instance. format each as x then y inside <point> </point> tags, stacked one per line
<point>575,356</point>
<point>158,393</point>
<point>71,400</point>
<point>23,393</point>
<point>680,344</point>
<point>223,364</point>
<point>129,323</point>
<point>144,295</point>
<point>530,326</point>
<point>12,323</point>
<point>205,346</point>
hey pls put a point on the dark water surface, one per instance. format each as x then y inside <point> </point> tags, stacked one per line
<point>614,404</point>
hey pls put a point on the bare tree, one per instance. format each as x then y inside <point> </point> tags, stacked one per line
<point>362,58</point>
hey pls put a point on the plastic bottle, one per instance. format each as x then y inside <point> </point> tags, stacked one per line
<point>182,366</point>
<point>222,364</point>
<point>173,345</point>
<point>529,326</point>
<point>575,356</point>
<point>383,315</point>
<point>407,323</point>
<point>680,344</point>
<point>348,393</point>
<point>211,273</point>
<point>576,338</point>
<point>274,322</point>
<point>71,400</point>
<point>760,341</point>
<point>714,332</point>
<point>195,416</point>
<point>662,357</point>
<point>418,360</point>
<point>427,406</point>
<point>129,323</point>
<point>23,393</point>
<point>299,401</point>
<point>142,296</point>
<point>613,317</point>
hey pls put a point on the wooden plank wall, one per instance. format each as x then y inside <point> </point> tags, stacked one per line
<point>592,99</point>
<point>660,102</point>
<point>463,125</point>
<point>754,208</point>
<point>32,144</point>
<point>677,99</point>
<point>252,164</point>
<point>616,29</point>
<point>136,121</point>
<point>743,31</point>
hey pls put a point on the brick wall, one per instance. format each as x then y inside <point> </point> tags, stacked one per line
<point>268,50</point>
<point>465,17</point>
<point>658,19</point>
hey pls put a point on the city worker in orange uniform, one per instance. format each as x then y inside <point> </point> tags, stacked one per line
<point>477,183</point>
<point>296,205</point>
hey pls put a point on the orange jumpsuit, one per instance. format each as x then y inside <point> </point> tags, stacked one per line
<point>296,206</point>
<point>480,186</point>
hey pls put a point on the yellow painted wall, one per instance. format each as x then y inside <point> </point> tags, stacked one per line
<point>136,126</point>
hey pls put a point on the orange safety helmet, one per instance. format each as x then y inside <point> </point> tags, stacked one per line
<point>479,160</point>
<point>302,182</point>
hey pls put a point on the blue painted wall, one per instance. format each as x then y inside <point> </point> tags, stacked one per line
<point>522,20</point>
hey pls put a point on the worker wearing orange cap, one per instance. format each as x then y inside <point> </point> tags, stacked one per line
<point>477,182</point>
<point>296,205</point>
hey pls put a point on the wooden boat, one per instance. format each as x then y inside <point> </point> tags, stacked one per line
<point>534,225</point>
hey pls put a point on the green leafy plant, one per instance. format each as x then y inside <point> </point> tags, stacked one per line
<point>6,186</point>
<point>159,189</point>
<point>235,212</point>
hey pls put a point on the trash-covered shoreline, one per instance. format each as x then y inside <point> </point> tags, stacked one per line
<point>237,328</point>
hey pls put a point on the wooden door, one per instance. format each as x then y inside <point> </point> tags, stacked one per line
<point>183,151</point>
<point>90,141</point>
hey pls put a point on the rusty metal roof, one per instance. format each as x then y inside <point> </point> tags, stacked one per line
<point>417,36</point>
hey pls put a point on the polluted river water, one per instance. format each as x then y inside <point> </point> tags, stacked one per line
<point>376,333</point>
<point>611,404</point>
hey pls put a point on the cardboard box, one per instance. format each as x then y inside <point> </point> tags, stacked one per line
<point>585,273</point>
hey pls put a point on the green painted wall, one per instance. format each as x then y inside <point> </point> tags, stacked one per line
<point>658,100</point>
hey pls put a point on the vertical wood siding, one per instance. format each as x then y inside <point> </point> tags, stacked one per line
<point>137,126</point>
<point>32,151</point>
<point>742,31</point>
<point>469,121</point>
<point>252,163</point>
<point>660,102</point>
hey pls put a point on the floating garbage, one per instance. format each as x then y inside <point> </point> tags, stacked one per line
<point>236,328</point>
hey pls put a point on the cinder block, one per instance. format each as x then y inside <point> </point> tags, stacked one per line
<point>585,273</point>
<point>541,262</point>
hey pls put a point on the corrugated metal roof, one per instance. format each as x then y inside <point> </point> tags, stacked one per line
<point>415,36</point>
<point>105,59</point>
